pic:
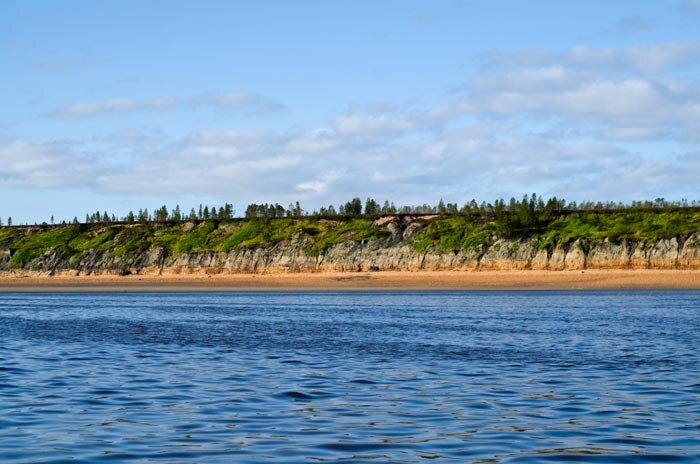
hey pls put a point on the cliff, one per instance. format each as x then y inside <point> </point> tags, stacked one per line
<point>359,244</point>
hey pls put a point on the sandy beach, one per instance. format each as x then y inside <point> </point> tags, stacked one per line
<point>400,280</point>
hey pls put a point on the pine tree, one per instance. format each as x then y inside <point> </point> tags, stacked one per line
<point>161,214</point>
<point>372,207</point>
<point>228,211</point>
<point>353,207</point>
<point>9,220</point>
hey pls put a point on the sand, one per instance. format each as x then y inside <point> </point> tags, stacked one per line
<point>399,280</point>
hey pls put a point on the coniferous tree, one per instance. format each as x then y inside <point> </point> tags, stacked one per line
<point>228,211</point>
<point>385,207</point>
<point>251,211</point>
<point>353,207</point>
<point>371,207</point>
<point>441,208</point>
<point>161,214</point>
<point>143,215</point>
<point>9,220</point>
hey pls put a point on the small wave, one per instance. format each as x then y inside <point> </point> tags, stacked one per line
<point>295,395</point>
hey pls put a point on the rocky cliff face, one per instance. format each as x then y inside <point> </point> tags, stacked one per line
<point>394,253</point>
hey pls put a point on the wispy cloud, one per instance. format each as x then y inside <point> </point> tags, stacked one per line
<point>621,94</point>
<point>250,104</point>
<point>692,6</point>
<point>647,57</point>
<point>247,104</point>
<point>558,123</point>
<point>632,25</point>
<point>59,65</point>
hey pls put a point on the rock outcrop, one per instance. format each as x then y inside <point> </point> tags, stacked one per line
<point>396,252</point>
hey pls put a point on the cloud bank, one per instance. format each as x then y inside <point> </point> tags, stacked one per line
<point>583,123</point>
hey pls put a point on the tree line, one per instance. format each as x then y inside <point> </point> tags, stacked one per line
<point>524,213</point>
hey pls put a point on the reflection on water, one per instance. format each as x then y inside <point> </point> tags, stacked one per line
<point>324,377</point>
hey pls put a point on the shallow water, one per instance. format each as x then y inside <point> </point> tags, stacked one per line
<point>351,377</point>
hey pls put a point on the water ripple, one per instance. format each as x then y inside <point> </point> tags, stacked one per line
<point>350,377</point>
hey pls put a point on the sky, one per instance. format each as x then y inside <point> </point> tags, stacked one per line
<point>120,105</point>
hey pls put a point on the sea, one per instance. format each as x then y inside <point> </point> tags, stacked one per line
<point>404,377</point>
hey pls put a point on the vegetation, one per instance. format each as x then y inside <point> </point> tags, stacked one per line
<point>444,227</point>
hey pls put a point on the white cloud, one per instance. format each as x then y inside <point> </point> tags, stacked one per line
<point>251,104</point>
<point>245,103</point>
<point>113,106</point>
<point>646,57</point>
<point>553,123</point>
<point>28,164</point>
<point>598,92</point>
<point>632,25</point>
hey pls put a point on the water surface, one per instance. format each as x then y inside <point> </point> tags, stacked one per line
<point>351,377</point>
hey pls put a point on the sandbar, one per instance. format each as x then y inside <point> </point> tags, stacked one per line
<point>617,279</point>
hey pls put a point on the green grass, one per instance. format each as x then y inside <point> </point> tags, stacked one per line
<point>195,239</point>
<point>441,234</point>
<point>6,236</point>
<point>102,240</point>
<point>454,234</point>
<point>131,241</point>
<point>33,246</point>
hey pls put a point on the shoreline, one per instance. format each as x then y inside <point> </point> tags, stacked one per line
<point>614,279</point>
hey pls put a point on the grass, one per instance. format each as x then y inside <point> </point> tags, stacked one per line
<point>454,234</point>
<point>316,236</point>
<point>32,246</point>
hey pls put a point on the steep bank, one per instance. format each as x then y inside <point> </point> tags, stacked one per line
<point>575,242</point>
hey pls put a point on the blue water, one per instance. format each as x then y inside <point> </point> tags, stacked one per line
<point>351,377</point>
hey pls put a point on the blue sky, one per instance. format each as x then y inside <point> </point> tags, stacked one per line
<point>122,105</point>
